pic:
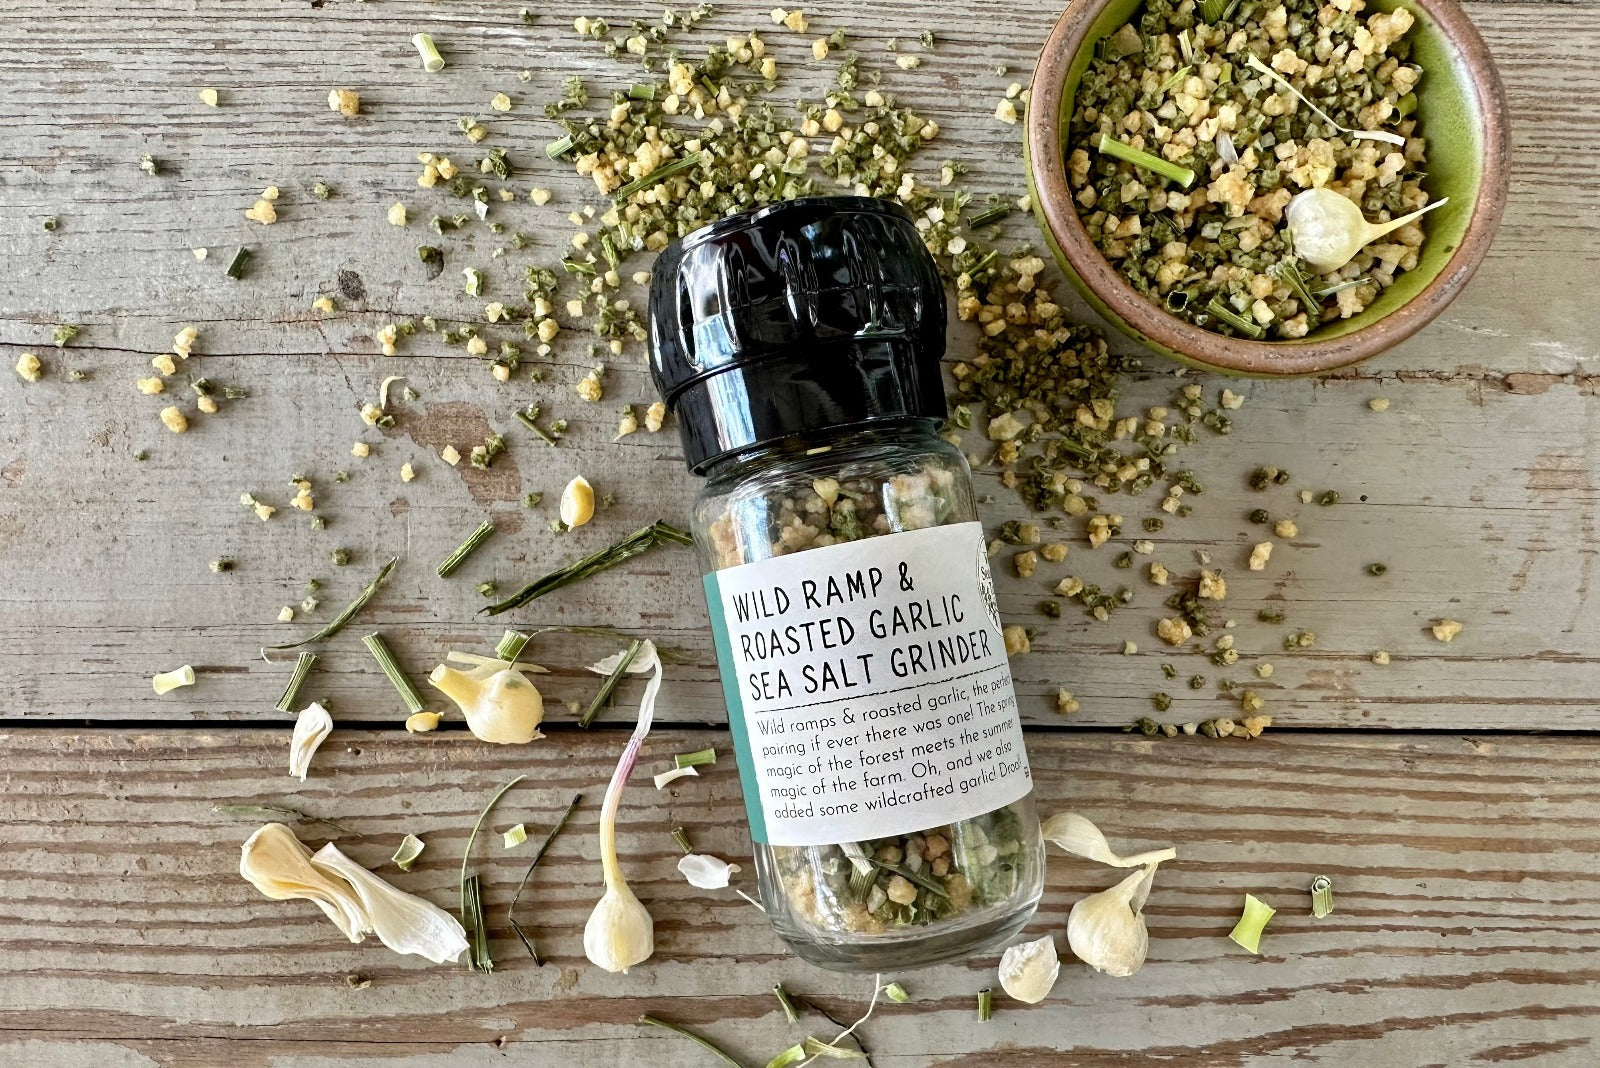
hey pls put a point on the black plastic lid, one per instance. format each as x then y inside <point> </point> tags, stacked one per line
<point>809,315</point>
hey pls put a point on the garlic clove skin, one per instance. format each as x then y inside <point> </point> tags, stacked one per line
<point>1106,930</point>
<point>504,707</point>
<point>403,922</point>
<point>706,872</point>
<point>275,863</point>
<point>1029,970</point>
<point>310,729</point>
<point>619,933</point>
<point>1078,836</point>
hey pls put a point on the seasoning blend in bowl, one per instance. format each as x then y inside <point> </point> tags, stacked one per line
<point>859,640</point>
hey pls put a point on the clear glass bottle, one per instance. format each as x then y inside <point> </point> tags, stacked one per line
<point>859,640</point>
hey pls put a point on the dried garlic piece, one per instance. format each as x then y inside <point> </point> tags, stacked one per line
<point>1029,970</point>
<point>313,726</point>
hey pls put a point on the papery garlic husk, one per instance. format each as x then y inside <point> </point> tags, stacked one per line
<point>275,863</point>
<point>310,729</point>
<point>620,933</point>
<point>1029,970</point>
<point>403,922</point>
<point>499,703</point>
<point>1107,931</point>
<point>1078,836</point>
<point>705,871</point>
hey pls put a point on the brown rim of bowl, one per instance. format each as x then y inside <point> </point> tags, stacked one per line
<point>1045,151</point>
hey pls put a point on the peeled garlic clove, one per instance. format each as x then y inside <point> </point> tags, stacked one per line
<point>1107,931</point>
<point>310,729</point>
<point>275,863</point>
<point>403,922</point>
<point>706,872</point>
<point>1078,836</point>
<point>577,502</point>
<point>503,707</point>
<point>1029,970</point>
<point>1328,229</point>
<point>619,933</point>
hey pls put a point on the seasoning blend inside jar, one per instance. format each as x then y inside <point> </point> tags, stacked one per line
<point>871,704</point>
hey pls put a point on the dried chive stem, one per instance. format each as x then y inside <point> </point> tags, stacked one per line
<point>466,549</point>
<point>538,855</point>
<point>291,692</point>
<point>236,265</point>
<point>783,999</point>
<point>1145,161</point>
<point>696,759</point>
<point>609,686</point>
<point>643,540</point>
<point>558,148</point>
<point>681,836</point>
<point>338,622</point>
<point>985,1003</point>
<point>660,174</point>
<point>391,669</point>
<point>704,1043</point>
<point>989,215</point>
<point>511,645</point>
<point>1233,318</point>
<point>471,901</point>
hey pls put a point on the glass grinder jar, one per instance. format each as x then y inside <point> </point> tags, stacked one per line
<point>859,640</point>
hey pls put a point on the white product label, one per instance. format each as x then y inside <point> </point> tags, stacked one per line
<point>868,688</point>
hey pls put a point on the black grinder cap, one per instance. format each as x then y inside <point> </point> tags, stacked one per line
<point>813,314</point>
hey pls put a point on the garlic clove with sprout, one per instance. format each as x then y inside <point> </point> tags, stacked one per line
<point>1107,931</point>
<point>619,933</point>
<point>1078,836</point>
<point>500,706</point>
<point>403,922</point>
<point>706,872</point>
<point>310,729</point>
<point>1328,229</point>
<point>1029,970</point>
<point>275,863</point>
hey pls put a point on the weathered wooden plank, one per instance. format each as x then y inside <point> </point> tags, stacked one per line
<point>95,92</point>
<point>1465,876</point>
<point>1480,501</point>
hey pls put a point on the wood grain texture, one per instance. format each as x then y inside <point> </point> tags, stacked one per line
<point>1463,930</point>
<point>1478,484</point>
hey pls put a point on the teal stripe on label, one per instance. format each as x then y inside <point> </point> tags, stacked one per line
<point>730,696</point>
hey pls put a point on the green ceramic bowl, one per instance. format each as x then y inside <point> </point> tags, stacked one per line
<point>1461,106</point>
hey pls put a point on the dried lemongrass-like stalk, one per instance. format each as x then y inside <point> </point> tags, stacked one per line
<point>313,726</point>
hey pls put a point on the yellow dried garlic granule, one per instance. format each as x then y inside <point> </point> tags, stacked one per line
<point>1445,630</point>
<point>174,420</point>
<point>28,367</point>
<point>346,102</point>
